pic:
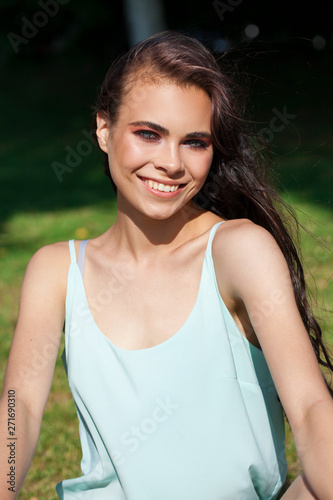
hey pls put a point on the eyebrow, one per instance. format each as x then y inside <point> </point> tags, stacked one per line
<point>165,131</point>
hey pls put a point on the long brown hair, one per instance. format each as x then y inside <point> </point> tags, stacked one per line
<point>237,184</point>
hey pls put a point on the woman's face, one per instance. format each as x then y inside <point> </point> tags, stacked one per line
<point>160,149</point>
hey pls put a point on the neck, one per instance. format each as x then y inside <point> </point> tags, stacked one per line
<point>142,236</point>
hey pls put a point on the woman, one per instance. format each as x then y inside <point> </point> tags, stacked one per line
<point>187,323</point>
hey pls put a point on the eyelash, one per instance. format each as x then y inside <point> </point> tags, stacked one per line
<point>199,144</point>
<point>144,133</point>
<point>193,143</point>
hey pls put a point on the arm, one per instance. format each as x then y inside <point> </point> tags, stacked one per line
<point>252,271</point>
<point>31,364</point>
<point>299,490</point>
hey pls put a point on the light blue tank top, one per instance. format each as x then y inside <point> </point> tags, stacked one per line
<point>196,417</point>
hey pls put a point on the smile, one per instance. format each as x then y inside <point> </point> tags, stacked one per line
<point>164,188</point>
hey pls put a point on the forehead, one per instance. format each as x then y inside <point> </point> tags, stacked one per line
<point>166,101</point>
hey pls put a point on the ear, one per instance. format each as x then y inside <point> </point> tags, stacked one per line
<point>102,132</point>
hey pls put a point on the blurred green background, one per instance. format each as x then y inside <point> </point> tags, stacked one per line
<point>48,84</point>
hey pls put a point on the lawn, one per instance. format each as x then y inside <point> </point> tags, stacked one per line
<point>48,117</point>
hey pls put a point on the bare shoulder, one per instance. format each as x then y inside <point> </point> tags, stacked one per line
<point>57,252</point>
<point>51,259</point>
<point>243,237</point>
<point>239,233</point>
<point>246,252</point>
<point>48,267</point>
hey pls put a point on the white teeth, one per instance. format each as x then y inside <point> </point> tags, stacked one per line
<point>164,188</point>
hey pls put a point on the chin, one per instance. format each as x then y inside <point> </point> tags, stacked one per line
<point>159,216</point>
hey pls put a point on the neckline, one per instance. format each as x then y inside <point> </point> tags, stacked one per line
<point>174,336</point>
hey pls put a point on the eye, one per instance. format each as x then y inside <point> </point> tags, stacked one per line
<point>147,135</point>
<point>196,144</point>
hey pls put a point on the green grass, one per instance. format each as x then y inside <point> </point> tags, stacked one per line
<point>48,114</point>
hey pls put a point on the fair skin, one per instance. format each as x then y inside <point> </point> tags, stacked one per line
<point>156,246</point>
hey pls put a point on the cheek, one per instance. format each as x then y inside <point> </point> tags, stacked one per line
<point>201,166</point>
<point>127,155</point>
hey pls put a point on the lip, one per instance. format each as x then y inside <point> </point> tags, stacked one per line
<point>161,181</point>
<point>162,194</point>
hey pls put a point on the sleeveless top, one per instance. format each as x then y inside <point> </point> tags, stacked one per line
<point>194,417</point>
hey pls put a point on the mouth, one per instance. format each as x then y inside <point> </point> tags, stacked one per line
<point>162,187</point>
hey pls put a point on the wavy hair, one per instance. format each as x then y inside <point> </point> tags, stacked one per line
<point>237,185</point>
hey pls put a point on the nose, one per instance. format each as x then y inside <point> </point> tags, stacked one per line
<point>170,159</point>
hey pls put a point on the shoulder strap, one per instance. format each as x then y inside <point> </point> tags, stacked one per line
<point>211,237</point>
<point>82,254</point>
<point>72,251</point>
